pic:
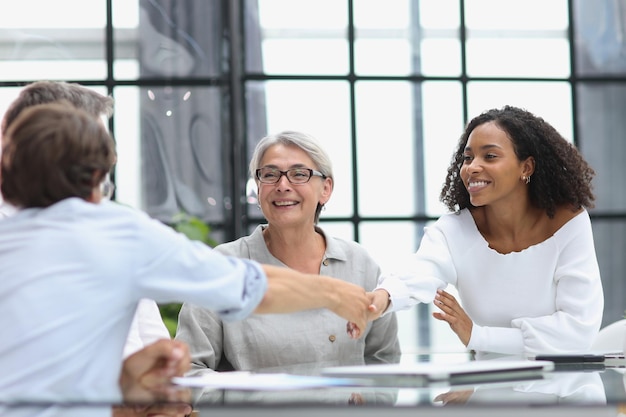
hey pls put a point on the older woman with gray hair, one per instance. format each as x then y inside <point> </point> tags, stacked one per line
<point>295,180</point>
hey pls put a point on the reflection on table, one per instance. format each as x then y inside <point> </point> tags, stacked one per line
<point>331,396</point>
<point>592,392</point>
<point>592,388</point>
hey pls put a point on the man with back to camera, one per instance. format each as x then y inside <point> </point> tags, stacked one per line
<point>59,344</point>
<point>147,326</point>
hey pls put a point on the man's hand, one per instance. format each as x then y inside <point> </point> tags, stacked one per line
<point>146,375</point>
<point>379,303</point>
<point>289,290</point>
<point>453,313</point>
<point>351,303</point>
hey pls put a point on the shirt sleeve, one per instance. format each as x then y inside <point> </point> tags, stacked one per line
<point>429,269</point>
<point>147,327</point>
<point>133,341</point>
<point>172,268</point>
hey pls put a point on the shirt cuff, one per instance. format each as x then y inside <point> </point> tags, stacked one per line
<point>398,294</point>
<point>255,287</point>
<point>475,342</point>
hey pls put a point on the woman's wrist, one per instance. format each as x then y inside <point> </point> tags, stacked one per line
<point>383,300</point>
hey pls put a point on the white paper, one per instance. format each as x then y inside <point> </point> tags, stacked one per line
<point>259,382</point>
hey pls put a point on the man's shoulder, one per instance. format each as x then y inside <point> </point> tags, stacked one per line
<point>7,210</point>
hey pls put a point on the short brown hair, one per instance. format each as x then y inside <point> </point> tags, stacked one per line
<point>42,92</point>
<point>53,152</point>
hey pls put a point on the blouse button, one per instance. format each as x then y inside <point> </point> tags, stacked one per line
<point>332,338</point>
<point>325,262</point>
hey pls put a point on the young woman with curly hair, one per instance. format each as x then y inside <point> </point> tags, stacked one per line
<point>518,244</point>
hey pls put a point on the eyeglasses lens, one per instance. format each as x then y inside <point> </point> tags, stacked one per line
<point>294,175</point>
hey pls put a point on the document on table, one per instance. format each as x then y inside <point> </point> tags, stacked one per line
<point>424,374</point>
<point>249,381</point>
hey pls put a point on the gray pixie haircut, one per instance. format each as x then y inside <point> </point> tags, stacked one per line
<point>304,141</point>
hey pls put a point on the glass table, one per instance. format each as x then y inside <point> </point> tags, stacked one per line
<point>592,391</point>
<point>577,389</point>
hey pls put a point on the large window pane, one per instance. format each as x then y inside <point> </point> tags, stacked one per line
<point>37,14</point>
<point>443,124</point>
<point>599,33</point>
<point>384,37</point>
<point>517,57</point>
<point>386,153</point>
<point>176,39</point>
<point>550,100</point>
<point>516,15</point>
<point>404,37</point>
<point>128,142</point>
<point>302,14</point>
<point>384,56</point>
<point>126,39</point>
<point>510,39</point>
<point>439,34</point>
<point>601,135</point>
<point>181,39</point>
<point>305,56</point>
<point>299,37</point>
<point>38,42</point>
<point>441,57</point>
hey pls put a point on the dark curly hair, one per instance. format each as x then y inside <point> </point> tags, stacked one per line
<point>561,177</point>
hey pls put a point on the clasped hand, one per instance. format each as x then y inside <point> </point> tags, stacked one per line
<point>146,381</point>
<point>377,303</point>
<point>451,312</point>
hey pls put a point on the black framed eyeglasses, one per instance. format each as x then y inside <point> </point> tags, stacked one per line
<point>268,175</point>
